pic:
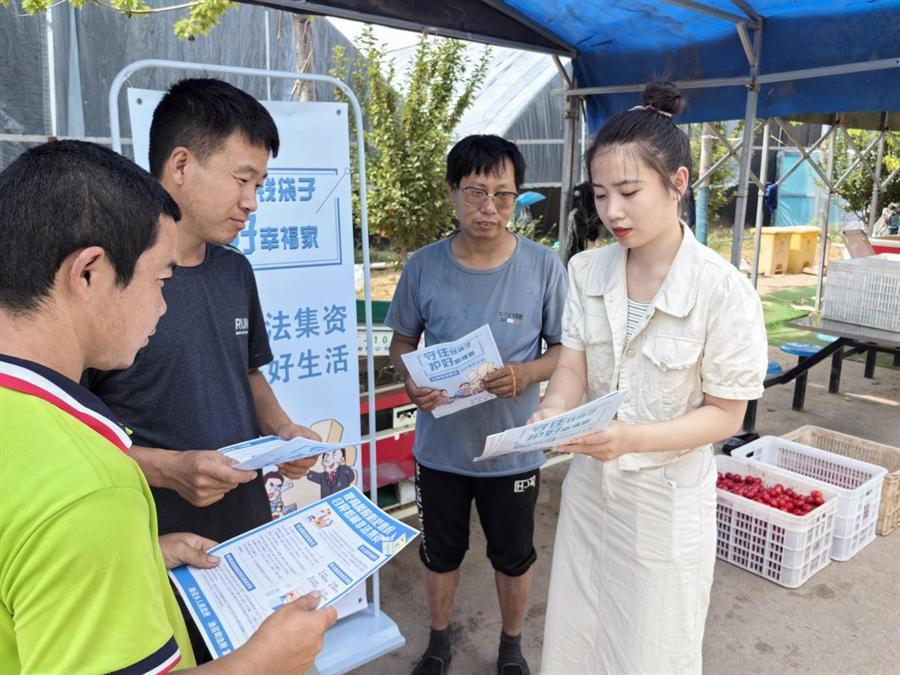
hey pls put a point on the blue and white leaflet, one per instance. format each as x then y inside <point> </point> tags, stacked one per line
<point>330,546</point>
<point>456,369</point>
<point>554,431</point>
<point>268,450</point>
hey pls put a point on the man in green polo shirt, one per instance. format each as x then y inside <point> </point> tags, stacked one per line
<point>87,240</point>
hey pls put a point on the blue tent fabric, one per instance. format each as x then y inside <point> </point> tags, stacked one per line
<point>623,42</point>
<point>628,42</point>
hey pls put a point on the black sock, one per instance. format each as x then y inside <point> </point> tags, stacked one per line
<point>509,655</point>
<point>439,642</point>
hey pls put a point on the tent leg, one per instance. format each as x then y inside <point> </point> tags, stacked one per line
<point>760,203</point>
<point>570,118</point>
<point>823,235</point>
<point>876,183</point>
<point>740,212</point>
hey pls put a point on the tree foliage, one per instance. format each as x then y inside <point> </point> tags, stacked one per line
<point>857,189</point>
<point>408,132</point>
<point>203,15</point>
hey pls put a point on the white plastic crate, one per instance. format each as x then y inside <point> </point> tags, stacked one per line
<point>864,291</point>
<point>778,546</point>
<point>857,483</point>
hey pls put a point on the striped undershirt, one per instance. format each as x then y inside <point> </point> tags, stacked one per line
<point>637,310</point>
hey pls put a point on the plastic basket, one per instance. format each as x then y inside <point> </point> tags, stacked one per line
<point>866,451</point>
<point>864,291</point>
<point>778,546</point>
<point>858,484</point>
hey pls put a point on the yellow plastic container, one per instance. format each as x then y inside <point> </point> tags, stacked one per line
<point>774,250</point>
<point>802,248</point>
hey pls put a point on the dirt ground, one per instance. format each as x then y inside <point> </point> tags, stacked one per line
<point>846,619</point>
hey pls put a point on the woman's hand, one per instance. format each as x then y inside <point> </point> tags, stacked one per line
<point>616,440</point>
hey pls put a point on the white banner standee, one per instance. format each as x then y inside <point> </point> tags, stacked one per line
<point>367,634</point>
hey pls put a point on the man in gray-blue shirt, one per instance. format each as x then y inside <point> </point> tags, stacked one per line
<point>481,275</point>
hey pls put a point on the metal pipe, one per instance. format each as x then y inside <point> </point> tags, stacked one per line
<point>760,203</point>
<point>797,144</point>
<point>740,213</point>
<point>747,9</point>
<point>724,158</point>
<point>74,93</point>
<point>565,191</point>
<point>823,235</point>
<point>860,156</point>
<point>732,151</point>
<point>268,54</point>
<point>806,153</point>
<point>876,182</point>
<point>116,86</point>
<point>742,81</point>
<point>51,70</point>
<point>710,11</point>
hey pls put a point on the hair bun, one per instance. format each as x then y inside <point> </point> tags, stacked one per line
<point>664,96</point>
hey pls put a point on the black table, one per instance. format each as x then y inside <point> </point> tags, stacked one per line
<point>851,339</point>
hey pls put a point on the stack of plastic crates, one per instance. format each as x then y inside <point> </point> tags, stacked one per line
<point>776,545</point>
<point>857,483</point>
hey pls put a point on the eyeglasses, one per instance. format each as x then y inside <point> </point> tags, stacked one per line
<point>473,196</point>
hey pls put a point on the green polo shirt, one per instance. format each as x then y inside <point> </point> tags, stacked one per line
<point>83,585</point>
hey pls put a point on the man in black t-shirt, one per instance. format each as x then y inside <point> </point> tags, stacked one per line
<point>196,387</point>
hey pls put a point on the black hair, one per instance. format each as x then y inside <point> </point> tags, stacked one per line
<point>273,474</point>
<point>483,154</point>
<point>651,129</point>
<point>200,114</point>
<point>63,196</point>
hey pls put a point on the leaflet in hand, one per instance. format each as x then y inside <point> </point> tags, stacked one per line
<point>553,431</point>
<point>456,369</point>
<point>269,450</point>
<point>329,546</point>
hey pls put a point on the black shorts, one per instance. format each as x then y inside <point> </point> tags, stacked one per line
<point>505,508</point>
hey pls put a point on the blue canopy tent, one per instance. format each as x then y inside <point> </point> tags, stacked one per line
<point>741,59</point>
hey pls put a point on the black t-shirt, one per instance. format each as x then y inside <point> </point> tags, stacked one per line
<point>189,387</point>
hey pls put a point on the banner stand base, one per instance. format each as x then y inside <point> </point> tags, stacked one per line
<point>357,640</point>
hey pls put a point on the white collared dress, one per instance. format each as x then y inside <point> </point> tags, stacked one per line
<point>635,544</point>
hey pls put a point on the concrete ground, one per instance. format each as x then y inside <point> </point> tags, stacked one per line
<point>845,619</point>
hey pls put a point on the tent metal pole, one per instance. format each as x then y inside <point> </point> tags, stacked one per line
<point>823,235</point>
<point>570,118</point>
<point>710,11</point>
<point>803,151</point>
<point>724,158</point>
<point>760,202</point>
<point>732,150</point>
<point>876,182</point>
<point>807,157</point>
<point>747,9</point>
<point>740,214</point>
<point>742,81</point>
<point>860,156</point>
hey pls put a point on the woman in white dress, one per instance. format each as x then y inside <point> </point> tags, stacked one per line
<point>680,331</point>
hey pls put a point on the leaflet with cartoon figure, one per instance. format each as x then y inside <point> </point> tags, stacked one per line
<point>456,369</point>
<point>329,546</point>
<point>270,450</point>
<point>554,431</point>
